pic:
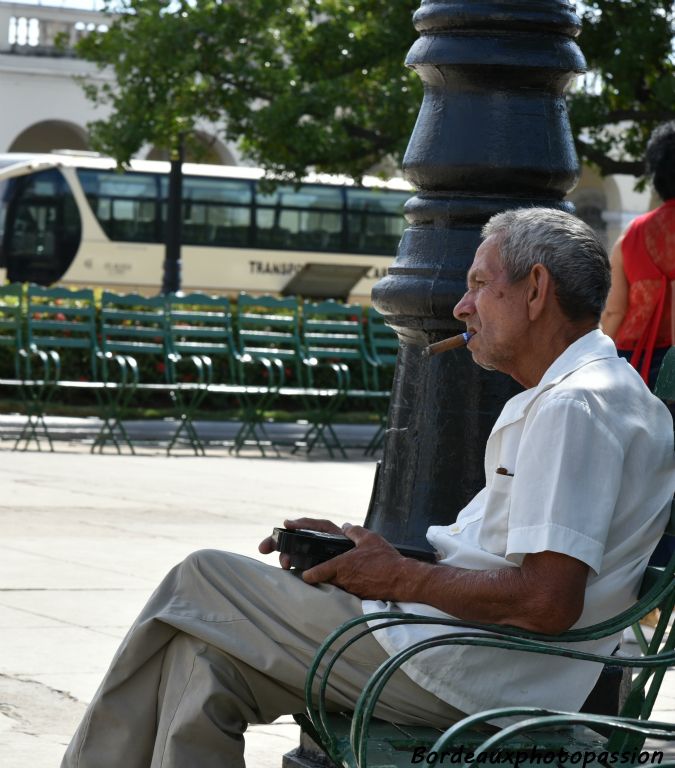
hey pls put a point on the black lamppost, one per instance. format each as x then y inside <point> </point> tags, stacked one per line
<point>492,134</point>
<point>171,279</point>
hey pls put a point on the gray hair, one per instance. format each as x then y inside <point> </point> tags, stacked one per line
<point>569,249</point>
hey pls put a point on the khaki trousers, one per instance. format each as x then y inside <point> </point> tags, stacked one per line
<point>223,642</point>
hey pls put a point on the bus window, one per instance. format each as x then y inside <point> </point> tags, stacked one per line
<point>43,228</point>
<point>215,211</point>
<point>303,218</point>
<point>125,204</point>
<point>375,220</point>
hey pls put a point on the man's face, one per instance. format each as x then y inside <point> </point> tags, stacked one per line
<point>494,310</point>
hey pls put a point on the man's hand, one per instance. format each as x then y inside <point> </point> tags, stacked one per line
<point>367,571</point>
<point>370,571</point>
<point>266,546</point>
<point>544,594</point>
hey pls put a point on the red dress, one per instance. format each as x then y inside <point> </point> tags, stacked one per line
<point>648,250</point>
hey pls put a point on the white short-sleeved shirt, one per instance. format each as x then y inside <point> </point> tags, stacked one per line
<point>589,452</point>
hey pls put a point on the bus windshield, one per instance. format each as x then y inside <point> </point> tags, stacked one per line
<point>41,227</point>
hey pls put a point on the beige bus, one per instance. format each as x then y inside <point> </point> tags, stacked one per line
<point>75,219</point>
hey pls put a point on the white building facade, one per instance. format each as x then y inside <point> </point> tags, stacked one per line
<point>43,103</point>
<point>44,107</point>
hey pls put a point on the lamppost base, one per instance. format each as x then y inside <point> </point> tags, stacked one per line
<point>307,755</point>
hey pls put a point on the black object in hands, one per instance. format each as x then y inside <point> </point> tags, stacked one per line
<point>309,548</point>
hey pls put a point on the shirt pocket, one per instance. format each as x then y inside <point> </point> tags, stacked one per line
<point>495,526</point>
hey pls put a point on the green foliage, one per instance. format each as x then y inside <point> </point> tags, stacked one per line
<point>297,83</point>
<point>629,50</point>
<point>158,92</point>
<point>321,83</point>
<point>338,97</point>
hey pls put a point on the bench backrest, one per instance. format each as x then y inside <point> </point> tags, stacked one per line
<point>269,327</point>
<point>65,321</point>
<point>334,332</point>
<point>137,326</point>
<point>11,329</point>
<point>202,325</point>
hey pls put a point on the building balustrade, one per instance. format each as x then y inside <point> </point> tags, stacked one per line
<point>40,30</point>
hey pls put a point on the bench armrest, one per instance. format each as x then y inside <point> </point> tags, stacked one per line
<point>202,365</point>
<point>340,371</point>
<point>49,360</point>
<point>272,368</point>
<point>479,635</point>
<point>543,718</point>
<point>126,366</point>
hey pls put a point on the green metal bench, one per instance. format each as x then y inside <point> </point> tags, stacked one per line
<point>201,350</point>
<point>160,346</point>
<point>11,337</point>
<point>133,353</point>
<point>266,366</point>
<point>182,348</point>
<point>164,347</point>
<point>58,352</point>
<point>334,356</point>
<point>562,743</point>
<point>11,331</point>
<point>177,348</point>
<point>12,313</point>
<point>317,357</point>
<point>270,357</point>
<point>358,740</point>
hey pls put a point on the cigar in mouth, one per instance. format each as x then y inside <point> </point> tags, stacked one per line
<point>445,344</point>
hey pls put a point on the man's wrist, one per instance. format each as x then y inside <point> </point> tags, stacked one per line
<point>412,581</point>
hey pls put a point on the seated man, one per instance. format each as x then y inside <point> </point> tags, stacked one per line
<point>580,473</point>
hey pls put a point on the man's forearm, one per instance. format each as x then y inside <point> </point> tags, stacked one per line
<point>545,595</point>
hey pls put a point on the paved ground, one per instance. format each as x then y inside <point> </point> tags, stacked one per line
<point>86,538</point>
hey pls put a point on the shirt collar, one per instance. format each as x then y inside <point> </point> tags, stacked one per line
<point>594,345</point>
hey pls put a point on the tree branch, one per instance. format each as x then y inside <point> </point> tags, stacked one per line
<point>606,164</point>
<point>377,140</point>
<point>638,115</point>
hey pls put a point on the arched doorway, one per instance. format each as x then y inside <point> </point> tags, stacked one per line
<point>209,150</point>
<point>590,201</point>
<point>50,135</point>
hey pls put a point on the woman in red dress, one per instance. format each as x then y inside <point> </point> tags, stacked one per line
<point>639,306</point>
<point>639,310</point>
